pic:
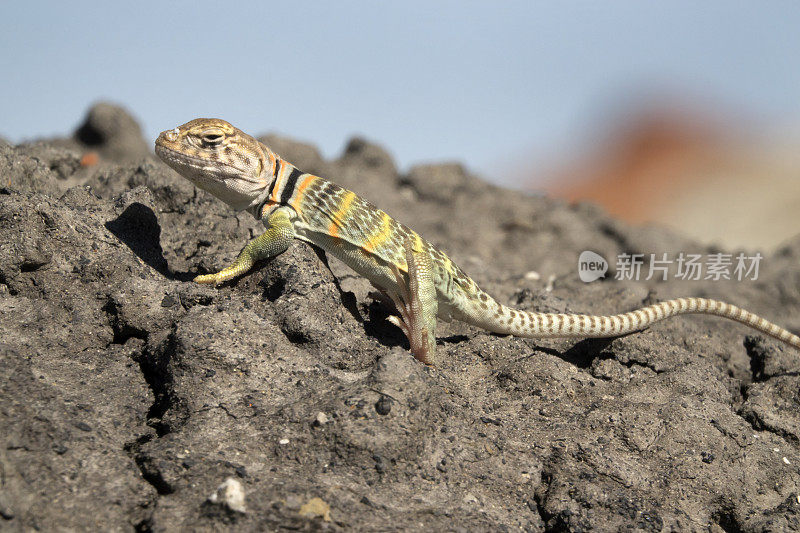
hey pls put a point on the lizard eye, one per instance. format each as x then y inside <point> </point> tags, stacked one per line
<point>212,139</point>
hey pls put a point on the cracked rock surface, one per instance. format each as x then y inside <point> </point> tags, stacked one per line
<point>129,395</point>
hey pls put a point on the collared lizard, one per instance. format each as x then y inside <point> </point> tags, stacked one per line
<point>420,279</point>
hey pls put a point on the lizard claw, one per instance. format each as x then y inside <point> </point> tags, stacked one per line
<point>397,321</point>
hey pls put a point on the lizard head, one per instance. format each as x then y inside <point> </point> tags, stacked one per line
<point>219,158</point>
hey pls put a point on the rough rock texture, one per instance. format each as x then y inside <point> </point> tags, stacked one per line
<point>133,399</point>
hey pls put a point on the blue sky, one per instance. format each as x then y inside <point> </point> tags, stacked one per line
<point>480,82</point>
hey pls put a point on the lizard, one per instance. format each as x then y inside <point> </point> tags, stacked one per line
<point>420,279</point>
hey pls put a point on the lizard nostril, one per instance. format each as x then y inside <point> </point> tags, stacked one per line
<point>171,135</point>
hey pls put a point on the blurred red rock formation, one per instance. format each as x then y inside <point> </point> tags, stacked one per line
<point>694,171</point>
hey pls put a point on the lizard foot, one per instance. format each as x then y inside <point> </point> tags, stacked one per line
<point>416,302</point>
<point>220,277</point>
<point>206,279</point>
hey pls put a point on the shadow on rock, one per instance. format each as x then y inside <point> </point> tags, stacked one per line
<point>138,228</point>
<point>582,353</point>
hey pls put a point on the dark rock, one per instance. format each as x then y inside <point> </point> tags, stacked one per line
<point>113,132</point>
<point>360,152</point>
<point>181,385</point>
<point>443,183</point>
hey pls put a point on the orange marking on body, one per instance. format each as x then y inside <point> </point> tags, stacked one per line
<point>380,237</point>
<point>298,196</point>
<point>338,217</point>
<point>272,161</point>
<point>269,204</point>
<point>278,180</point>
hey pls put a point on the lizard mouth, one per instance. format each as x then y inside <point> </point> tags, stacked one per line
<point>220,170</point>
<point>168,155</point>
<point>207,168</point>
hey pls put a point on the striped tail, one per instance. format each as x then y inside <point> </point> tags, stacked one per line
<point>539,325</point>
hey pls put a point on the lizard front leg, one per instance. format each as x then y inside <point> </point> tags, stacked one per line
<point>275,240</point>
<point>416,301</point>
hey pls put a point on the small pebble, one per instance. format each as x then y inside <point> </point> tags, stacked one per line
<point>316,507</point>
<point>283,441</point>
<point>60,449</point>
<point>320,420</point>
<point>383,406</point>
<point>470,498</point>
<point>230,494</point>
<point>6,512</point>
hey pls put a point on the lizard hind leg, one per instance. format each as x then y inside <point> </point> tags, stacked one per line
<point>415,299</point>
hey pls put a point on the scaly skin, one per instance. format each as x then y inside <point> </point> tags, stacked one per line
<point>421,280</point>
